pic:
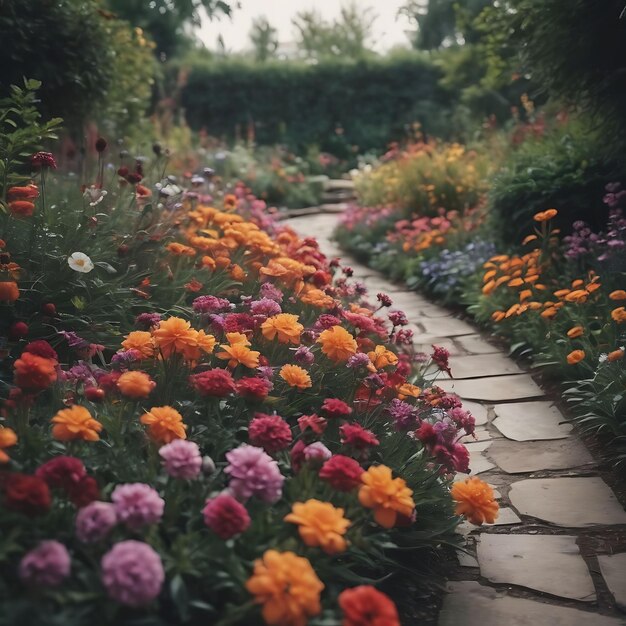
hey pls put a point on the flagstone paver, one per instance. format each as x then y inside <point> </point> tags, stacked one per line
<point>523,448</point>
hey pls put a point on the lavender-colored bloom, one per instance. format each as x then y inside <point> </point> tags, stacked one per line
<point>360,289</point>
<point>265,306</point>
<point>326,321</point>
<point>403,414</point>
<point>303,356</point>
<point>217,323</point>
<point>47,565</point>
<point>266,371</point>
<point>132,573</point>
<point>271,292</point>
<point>374,381</point>
<point>73,340</point>
<point>210,304</point>
<point>95,521</point>
<point>360,359</point>
<point>147,320</point>
<point>80,373</point>
<point>124,358</point>
<point>137,505</point>
<point>181,459</point>
<point>254,473</point>
<point>316,453</point>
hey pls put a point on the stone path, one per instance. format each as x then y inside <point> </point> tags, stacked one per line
<point>547,561</point>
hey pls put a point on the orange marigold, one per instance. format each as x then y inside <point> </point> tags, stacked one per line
<point>619,315</point>
<point>8,438</point>
<point>239,354</point>
<point>366,606</point>
<point>618,294</point>
<point>320,524</point>
<point>575,356</point>
<point>141,341</point>
<point>135,385</point>
<point>544,216</point>
<point>296,376</point>
<point>284,327</point>
<point>337,343</point>
<point>9,291</point>
<point>76,422</point>
<point>388,496</point>
<point>175,336</point>
<point>475,500</point>
<point>287,587</point>
<point>34,372</point>
<point>615,355</point>
<point>164,424</point>
<point>381,357</point>
<point>575,331</point>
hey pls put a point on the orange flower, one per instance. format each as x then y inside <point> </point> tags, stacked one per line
<point>135,384</point>
<point>544,216</point>
<point>407,389</point>
<point>317,298</point>
<point>34,372</point>
<point>497,316</point>
<point>619,315</point>
<point>180,249</point>
<point>175,335</point>
<point>9,291</point>
<point>239,354</point>
<point>549,313</point>
<point>388,496</point>
<point>528,239</point>
<point>576,331</point>
<point>337,344</point>
<point>287,587</point>
<point>475,500</point>
<point>576,356</point>
<point>381,357</point>
<point>76,422</point>
<point>141,341</point>
<point>320,524</point>
<point>21,208</point>
<point>284,327</point>
<point>578,296</point>
<point>8,438</point>
<point>615,355</point>
<point>366,606</point>
<point>230,202</point>
<point>618,294</point>
<point>296,376</point>
<point>164,424</point>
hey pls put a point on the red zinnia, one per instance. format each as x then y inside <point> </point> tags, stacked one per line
<point>366,606</point>
<point>84,492</point>
<point>41,348</point>
<point>253,388</point>
<point>216,382</point>
<point>357,436</point>
<point>225,516</point>
<point>333,407</point>
<point>239,323</point>
<point>26,494</point>
<point>342,472</point>
<point>270,432</point>
<point>43,159</point>
<point>62,472</point>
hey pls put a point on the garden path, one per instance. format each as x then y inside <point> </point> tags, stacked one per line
<point>547,561</point>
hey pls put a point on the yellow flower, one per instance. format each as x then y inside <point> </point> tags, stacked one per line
<point>320,524</point>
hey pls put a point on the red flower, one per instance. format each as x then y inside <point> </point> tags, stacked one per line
<point>426,434</point>
<point>239,323</point>
<point>270,432</point>
<point>357,436</point>
<point>62,472</point>
<point>27,494</point>
<point>41,348</point>
<point>440,357</point>
<point>225,516</point>
<point>366,606</point>
<point>84,492</point>
<point>297,455</point>
<point>253,388</point>
<point>316,423</point>
<point>43,159</point>
<point>108,382</point>
<point>18,330</point>
<point>217,382</point>
<point>333,407</point>
<point>342,472</point>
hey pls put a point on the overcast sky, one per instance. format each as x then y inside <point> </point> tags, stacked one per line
<point>389,30</point>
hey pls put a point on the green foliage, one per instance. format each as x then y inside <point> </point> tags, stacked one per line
<point>263,37</point>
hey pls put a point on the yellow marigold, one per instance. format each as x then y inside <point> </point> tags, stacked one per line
<point>619,315</point>
<point>141,341</point>
<point>618,294</point>
<point>175,336</point>
<point>8,438</point>
<point>164,424</point>
<point>575,331</point>
<point>237,273</point>
<point>615,355</point>
<point>320,524</point>
<point>475,500</point>
<point>337,343</point>
<point>239,354</point>
<point>575,356</point>
<point>135,384</point>
<point>544,216</point>
<point>296,376</point>
<point>381,357</point>
<point>284,327</point>
<point>388,496</point>
<point>76,422</point>
<point>287,588</point>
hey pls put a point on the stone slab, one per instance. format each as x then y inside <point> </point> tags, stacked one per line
<point>575,502</point>
<point>479,434</point>
<point>475,344</point>
<point>425,344</point>
<point>480,365</point>
<point>538,562</point>
<point>466,559</point>
<point>530,421</point>
<point>506,517</point>
<point>469,603</point>
<point>447,327</point>
<point>534,456</point>
<point>494,389</point>
<point>613,568</point>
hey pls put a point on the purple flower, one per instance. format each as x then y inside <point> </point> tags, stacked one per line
<point>403,414</point>
<point>210,304</point>
<point>137,505</point>
<point>124,358</point>
<point>463,419</point>
<point>254,473</point>
<point>398,318</point>
<point>95,521</point>
<point>303,356</point>
<point>147,320</point>
<point>326,321</point>
<point>73,340</point>
<point>360,359</point>
<point>47,565</point>
<point>181,459</point>
<point>269,291</point>
<point>132,573</point>
<point>316,453</point>
<point>265,307</point>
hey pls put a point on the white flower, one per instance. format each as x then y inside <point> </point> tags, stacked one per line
<point>80,262</point>
<point>94,195</point>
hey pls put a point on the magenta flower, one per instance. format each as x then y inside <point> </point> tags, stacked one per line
<point>47,565</point>
<point>254,473</point>
<point>95,521</point>
<point>181,459</point>
<point>316,453</point>
<point>225,516</point>
<point>137,505</point>
<point>132,573</point>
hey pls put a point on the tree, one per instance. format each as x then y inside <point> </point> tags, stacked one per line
<point>263,37</point>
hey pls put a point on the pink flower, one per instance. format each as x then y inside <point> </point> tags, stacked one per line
<point>225,516</point>
<point>358,437</point>
<point>137,505</point>
<point>254,473</point>
<point>253,388</point>
<point>342,472</point>
<point>47,565</point>
<point>181,459</point>
<point>132,573</point>
<point>316,423</point>
<point>95,521</point>
<point>316,453</point>
<point>217,382</point>
<point>43,159</point>
<point>333,407</point>
<point>269,432</point>
<point>440,357</point>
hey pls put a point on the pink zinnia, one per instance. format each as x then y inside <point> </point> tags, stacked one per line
<point>358,437</point>
<point>217,382</point>
<point>333,407</point>
<point>181,459</point>
<point>342,473</point>
<point>316,423</point>
<point>137,505</point>
<point>95,521</point>
<point>270,432</point>
<point>225,516</point>
<point>254,473</point>
<point>253,388</point>
<point>47,565</point>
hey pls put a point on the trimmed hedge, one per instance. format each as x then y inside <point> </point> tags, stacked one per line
<point>372,100</point>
